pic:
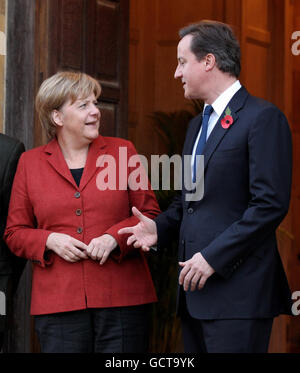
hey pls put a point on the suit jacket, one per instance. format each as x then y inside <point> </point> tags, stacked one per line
<point>247,183</point>
<point>45,199</point>
<point>10,267</point>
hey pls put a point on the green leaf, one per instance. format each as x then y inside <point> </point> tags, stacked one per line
<point>228,111</point>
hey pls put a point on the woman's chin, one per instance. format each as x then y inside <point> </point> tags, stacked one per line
<point>93,133</point>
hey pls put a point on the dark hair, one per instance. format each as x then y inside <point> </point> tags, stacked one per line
<point>218,39</point>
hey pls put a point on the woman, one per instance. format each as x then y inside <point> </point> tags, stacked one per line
<point>90,291</point>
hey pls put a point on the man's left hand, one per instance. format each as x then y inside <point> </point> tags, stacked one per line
<point>195,271</point>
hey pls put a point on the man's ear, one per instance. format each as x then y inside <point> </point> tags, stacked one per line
<point>210,62</point>
<point>57,117</point>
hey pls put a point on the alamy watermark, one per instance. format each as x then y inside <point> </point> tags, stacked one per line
<point>2,304</point>
<point>296,45</point>
<point>296,305</point>
<point>111,177</point>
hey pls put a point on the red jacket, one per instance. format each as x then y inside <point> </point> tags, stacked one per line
<point>46,199</point>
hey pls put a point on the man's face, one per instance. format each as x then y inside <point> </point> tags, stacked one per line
<point>191,71</point>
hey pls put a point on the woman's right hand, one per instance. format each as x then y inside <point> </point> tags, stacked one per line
<point>67,247</point>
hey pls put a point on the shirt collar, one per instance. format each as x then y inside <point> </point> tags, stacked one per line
<point>222,101</point>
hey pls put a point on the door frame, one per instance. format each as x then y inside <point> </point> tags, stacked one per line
<point>19,123</point>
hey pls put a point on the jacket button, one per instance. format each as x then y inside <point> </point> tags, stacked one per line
<point>78,212</point>
<point>190,210</point>
<point>79,230</point>
<point>182,242</point>
<point>77,195</point>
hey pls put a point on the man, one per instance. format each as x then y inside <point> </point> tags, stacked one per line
<point>231,282</point>
<point>10,266</point>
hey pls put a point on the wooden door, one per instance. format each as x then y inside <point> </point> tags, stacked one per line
<point>264,30</point>
<point>43,37</point>
<point>89,36</point>
<point>266,74</point>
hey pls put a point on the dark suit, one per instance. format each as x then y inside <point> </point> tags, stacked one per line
<point>247,182</point>
<point>10,266</point>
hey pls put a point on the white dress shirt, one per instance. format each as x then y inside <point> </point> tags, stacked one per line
<point>219,105</point>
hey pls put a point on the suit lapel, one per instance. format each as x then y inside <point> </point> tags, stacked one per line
<point>57,161</point>
<point>97,148</point>
<point>218,133</point>
<point>235,104</point>
<point>188,150</point>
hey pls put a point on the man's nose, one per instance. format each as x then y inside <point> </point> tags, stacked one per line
<point>177,73</point>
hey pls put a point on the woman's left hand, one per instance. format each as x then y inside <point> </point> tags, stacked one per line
<point>100,248</point>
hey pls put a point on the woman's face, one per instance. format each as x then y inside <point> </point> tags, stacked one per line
<point>78,121</point>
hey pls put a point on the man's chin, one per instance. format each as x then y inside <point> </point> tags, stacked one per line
<point>188,96</point>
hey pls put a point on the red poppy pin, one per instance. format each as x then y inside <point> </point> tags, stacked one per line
<point>227,120</point>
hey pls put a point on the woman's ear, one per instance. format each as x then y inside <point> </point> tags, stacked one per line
<point>57,117</point>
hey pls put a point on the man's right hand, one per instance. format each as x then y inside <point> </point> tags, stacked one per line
<point>144,234</point>
<point>67,247</point>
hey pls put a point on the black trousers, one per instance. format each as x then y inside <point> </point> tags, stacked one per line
<point>225,336</point>
<point>101,330</point>
<point>1,341</point>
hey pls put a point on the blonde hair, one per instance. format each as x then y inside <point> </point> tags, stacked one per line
<point>55,91</point>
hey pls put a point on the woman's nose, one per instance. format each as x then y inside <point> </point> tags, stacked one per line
<point>95,110</point>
